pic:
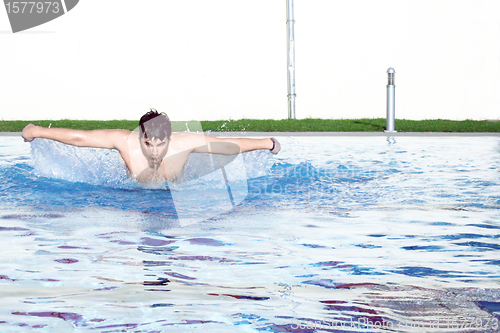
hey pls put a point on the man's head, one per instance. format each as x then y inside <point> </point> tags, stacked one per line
<point>155,125</point>
<point>154,136</point>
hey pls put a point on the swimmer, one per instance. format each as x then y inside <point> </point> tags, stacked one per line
<point>154,153</point>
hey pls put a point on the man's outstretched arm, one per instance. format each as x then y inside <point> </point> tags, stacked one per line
<point>227,145</point>
<point>111,139</point>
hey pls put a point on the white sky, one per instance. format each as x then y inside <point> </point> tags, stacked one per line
<point>221,59</point>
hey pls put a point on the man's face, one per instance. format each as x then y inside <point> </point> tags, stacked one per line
<point>154,149</point>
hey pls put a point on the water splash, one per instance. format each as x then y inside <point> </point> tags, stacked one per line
<point>95,166</point>
<point>53,159</point>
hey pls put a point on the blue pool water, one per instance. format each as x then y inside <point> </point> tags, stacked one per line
<point>336,234</point>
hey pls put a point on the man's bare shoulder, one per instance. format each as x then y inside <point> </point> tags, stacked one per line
<point>120,132</point>
<point>186,141</point>
<point>186,135</point>
<point>119,138</point>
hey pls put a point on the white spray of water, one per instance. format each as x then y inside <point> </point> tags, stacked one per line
<point>95,166</point>
<point>87,165</point>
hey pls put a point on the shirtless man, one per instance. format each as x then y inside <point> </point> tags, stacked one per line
<point>155,153</point>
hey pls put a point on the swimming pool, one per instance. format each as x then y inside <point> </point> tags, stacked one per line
<point>336,234</point>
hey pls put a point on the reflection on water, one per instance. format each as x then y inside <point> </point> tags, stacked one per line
<point>336,235</point>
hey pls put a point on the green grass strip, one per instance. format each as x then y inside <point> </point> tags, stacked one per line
<point>285,125</point>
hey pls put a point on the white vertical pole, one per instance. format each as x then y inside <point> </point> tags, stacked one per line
<point>291,60</point>
<point>391,87</point>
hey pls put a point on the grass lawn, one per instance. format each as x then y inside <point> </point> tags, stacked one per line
<point>285,125</point>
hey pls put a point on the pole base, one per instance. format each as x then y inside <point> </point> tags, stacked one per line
<point>386,131</point>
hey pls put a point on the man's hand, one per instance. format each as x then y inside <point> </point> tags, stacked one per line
<point>27,133</point>
<point>276,146</point>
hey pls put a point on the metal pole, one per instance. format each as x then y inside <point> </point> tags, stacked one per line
<point>391,101</point>
<point>291,60</point>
